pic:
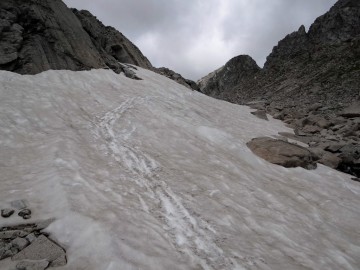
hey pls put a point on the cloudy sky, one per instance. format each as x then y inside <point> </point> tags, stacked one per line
<point>195,37</point>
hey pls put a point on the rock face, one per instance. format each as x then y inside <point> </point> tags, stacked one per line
<point>310,81</point>
<point>283,153</point>
<point>38,35</point>
<point>239,70</point>
<point>113,46</point>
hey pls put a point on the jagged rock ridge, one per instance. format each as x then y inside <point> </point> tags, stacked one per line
<point>308,73</point>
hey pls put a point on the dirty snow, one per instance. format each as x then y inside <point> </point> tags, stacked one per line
<point>150,175</point>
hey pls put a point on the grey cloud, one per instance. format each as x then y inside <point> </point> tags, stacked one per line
<point>194,37</point>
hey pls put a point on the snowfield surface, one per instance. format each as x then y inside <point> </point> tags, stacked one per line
<point>150,175</point>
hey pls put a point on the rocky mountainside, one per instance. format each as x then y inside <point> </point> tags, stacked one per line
<point>308,81</point>
<point>39,35</point>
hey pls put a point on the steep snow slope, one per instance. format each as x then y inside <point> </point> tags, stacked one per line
<point>149,175</point>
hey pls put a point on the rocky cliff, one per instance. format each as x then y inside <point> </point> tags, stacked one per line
<point>307,81</point>
<point>38,35</point>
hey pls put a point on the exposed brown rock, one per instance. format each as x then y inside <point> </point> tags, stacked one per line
<point>283,153</point>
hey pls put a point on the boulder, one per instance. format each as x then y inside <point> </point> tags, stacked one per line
<point>335,147</point>
<point>31,237</point>
<point>19,243</point>
<point>350,153</point>
<point>260,114</point>
<point>5,213</point>
<point>311,129</point>
<point>351,111</point>
<point>25,213</point>
<point>350,159</point>
<point>330,160</point>
<point>42,249</point>
<point>283,153</point>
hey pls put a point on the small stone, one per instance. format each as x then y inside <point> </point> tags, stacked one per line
<point>32,265</point>
<point>12,234</point>
<point>311,129</point>
<point>24,212</point>
<point>7,251</point>
<point>5,213</point>
<point>260,114</point>
<point>298,132</point>
<point>31,237</point>
<point>334,148</point>
<point>26,217</point>
<point>19,243</point>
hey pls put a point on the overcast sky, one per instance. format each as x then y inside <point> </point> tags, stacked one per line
<point>195,37</point>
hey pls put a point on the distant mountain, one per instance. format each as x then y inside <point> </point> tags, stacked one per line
<point>308,73</point>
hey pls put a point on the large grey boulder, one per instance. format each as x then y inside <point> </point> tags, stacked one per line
<point>42,249</point>
<point>283,153</point>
